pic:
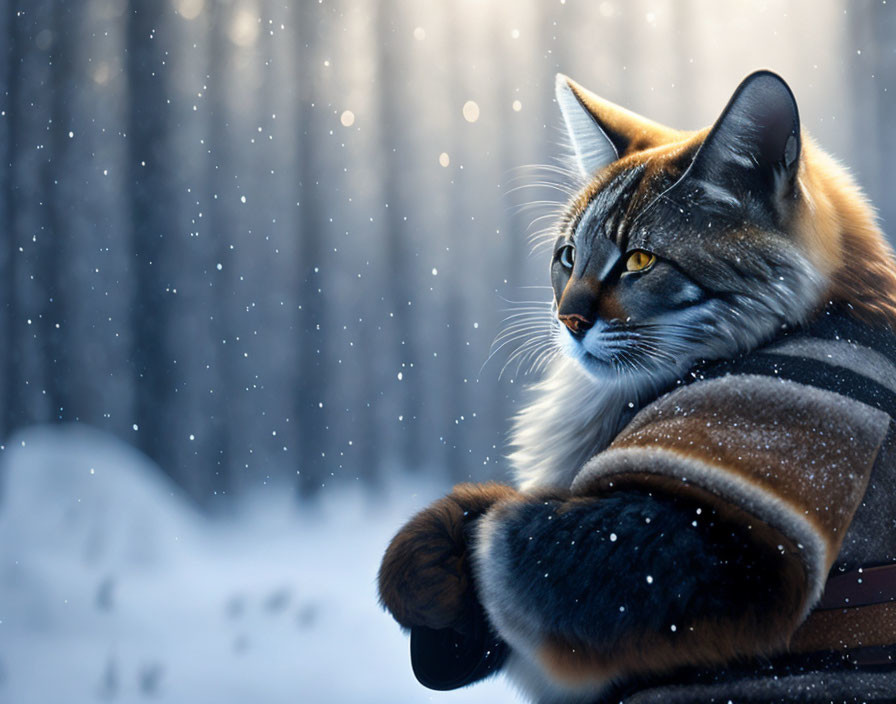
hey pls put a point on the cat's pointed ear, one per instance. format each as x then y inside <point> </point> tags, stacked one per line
<point>755,145</point>
<point>601,131</point>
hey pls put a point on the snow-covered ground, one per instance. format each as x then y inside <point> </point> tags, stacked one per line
<point>112,588</point>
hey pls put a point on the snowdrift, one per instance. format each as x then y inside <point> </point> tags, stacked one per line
<point>113,588</point>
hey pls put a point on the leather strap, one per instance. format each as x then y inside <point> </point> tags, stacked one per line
<point>846,629</point>
<point>865,586</point>
<point>856,615</point>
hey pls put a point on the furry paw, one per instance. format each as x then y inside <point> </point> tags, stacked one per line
<point>425,577</point>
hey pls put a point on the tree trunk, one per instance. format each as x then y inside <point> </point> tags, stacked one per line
<point>312,408</point>
<point>150,174</point>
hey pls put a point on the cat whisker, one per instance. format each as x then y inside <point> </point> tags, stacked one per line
<point>541,232</point>
<point>570,177</point>
<point>531,334</point>
<point>541,360</point>
<point>533,317</point>
<point>519,331</point>
<point>520,355</point>
<point>534,355</point>
<point>529,314</point>
<point>545,358</point>
<point>539,302</point>
<point>566,192</point>
<point>539,339</point>
<point>528,305</point>
<point>511,336</point>
<point>555,207</point>
<point>530,320</point>
<point>541,240</point>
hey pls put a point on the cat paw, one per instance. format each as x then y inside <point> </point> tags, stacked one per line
<point>425,578</point>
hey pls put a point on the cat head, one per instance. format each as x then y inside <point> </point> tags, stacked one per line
<point>682,246</point>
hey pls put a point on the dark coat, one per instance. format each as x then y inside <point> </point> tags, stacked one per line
<point>705,534</point>
<point>735,541</point>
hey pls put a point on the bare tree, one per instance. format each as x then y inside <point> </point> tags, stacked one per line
<point>30,125</point>
<point>312,410</point>
<point>8,97</point>
<point>151,173</point>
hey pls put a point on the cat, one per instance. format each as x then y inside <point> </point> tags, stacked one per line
<point>705,498</point>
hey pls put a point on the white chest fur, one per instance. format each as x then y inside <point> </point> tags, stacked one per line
<point>571,417</point>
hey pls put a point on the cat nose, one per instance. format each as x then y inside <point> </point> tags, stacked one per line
<point>578,324</point>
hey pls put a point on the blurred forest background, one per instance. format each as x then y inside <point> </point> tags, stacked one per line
<point>268,241</point>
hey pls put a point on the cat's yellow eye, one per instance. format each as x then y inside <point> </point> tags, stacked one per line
<point>639,260</point>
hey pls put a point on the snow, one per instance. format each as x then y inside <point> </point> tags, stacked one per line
<point>113,588</point>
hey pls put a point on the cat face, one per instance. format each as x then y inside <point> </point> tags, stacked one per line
<point>681,246</point>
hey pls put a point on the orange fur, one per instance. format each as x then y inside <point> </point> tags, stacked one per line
<point>840,232</point>
<point>642,133</point>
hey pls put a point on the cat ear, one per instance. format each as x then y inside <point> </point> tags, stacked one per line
<point>601,131</point>
<point>755,145</point>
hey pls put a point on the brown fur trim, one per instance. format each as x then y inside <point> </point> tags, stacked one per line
<point>701,642</point>
<point>767,433</point>
<point>425,578</point>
